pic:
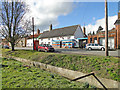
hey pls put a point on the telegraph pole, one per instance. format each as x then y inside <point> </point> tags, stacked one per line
<point>33,31</point>
<point>106,29</point>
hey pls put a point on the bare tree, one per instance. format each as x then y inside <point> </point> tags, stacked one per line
<point>14,23</point>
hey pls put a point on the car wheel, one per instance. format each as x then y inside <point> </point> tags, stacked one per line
<point>89,48</point>
<point>45,50</point>
<point>38,50</point>
<point>102,49</point>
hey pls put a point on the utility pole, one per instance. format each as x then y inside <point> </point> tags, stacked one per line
<point>33,31</point>
<point>106,29</point>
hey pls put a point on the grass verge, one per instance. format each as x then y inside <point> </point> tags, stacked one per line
<point>18,75</point>
<point>105,67</point>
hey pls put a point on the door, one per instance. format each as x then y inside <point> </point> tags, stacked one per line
<point>36,43</point>
<point>60,44</point>
<point>102,41</point>
<point>111,42</point>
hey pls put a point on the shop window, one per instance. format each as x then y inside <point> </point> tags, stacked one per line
<point>90,40</point>
<point>68,37</point>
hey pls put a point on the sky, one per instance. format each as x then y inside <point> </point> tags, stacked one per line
<point>63,14</point>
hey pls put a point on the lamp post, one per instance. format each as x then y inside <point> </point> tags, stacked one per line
<point>33,31</point>
<point>106,29</point>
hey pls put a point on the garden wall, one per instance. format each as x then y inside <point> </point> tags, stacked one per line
<point>71,74</point>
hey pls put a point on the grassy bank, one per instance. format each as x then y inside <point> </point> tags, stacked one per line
<point>105,67</point>
<point>17,75</point>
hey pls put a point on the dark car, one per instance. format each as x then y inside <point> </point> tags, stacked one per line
<point>6,47</point>
<point>45,47</point>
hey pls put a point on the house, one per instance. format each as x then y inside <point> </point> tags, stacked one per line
<point>113,36</point>
<point>30,39</point>
<point>21,42</point>
<point>66,37</point>
<point>4,42</point>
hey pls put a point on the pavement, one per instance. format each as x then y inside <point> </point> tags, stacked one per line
<point>80,51</point>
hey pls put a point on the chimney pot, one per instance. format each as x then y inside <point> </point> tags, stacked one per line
<point>50,27</point>
<point>38,31</point>
<point>84,31</point>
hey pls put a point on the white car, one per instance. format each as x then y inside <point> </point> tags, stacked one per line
<point>91,46</point>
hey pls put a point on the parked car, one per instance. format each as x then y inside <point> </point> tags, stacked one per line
<point>45,47</point>
<point>6,47</point>
<point>94,46</point>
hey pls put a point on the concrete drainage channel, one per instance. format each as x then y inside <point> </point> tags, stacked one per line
<point>72,75</point>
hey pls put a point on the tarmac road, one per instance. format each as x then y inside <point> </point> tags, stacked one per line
<point>80,51</point>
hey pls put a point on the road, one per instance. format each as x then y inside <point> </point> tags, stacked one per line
<point>80,51</point>
<point>86,52</point>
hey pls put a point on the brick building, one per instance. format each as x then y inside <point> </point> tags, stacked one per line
<point>113,36</point>
<point>29,42</point>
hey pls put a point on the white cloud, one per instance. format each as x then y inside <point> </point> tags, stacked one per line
<point>101,22</point>
<point>46,12</point>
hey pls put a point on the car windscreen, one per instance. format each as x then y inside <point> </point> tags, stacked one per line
<point>47,45</point>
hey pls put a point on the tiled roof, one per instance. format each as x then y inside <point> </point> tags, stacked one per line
<point>35,36</point>
<point>65,31</point>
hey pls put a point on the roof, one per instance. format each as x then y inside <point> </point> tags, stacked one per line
<point>113,29</point>
<point>35,36</point>
<point>117,22</point>
<point>65,31</point>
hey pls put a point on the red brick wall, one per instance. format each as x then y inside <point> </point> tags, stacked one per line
<point>112,33</point>
<point>118,35</point>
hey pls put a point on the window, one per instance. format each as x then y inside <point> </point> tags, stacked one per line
<point>90,40</point>
<point>92,44</point>
<point>96,44</point>
<point>88,44</point>
<point>48,42</point>
<point>68,37</point>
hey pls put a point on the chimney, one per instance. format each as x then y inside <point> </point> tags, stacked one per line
<point>38,31</point>
<point>50,27</point>
<point>119,15</point>
<point>84,31</point>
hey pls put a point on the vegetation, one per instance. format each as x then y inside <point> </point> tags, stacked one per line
<point>105,67</point>
<point>15,24</point>
<point>18,75</point>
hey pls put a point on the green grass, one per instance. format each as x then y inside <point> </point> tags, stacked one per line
<point>18,75</point>
<point>105,67</point>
